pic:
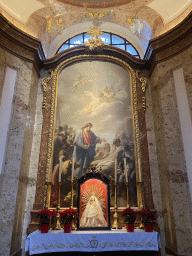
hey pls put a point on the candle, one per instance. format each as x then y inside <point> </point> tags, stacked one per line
<point>48,175</point>
<point>60,167</point>
<point>73,165</point>
<point>125,170</point>
<point>139,168</point>
<point>115,169</point>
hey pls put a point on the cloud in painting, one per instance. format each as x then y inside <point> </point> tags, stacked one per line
<point>96,92</point>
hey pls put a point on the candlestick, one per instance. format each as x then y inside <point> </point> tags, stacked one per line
<point>139,169</point>
<point>58,226</point>
<point>116,223</point>
<point>115,169</point>
<point>128,201</point>
<point>50,164</point>
<point>141,202</point>
<point>60,167</point>
<point>73,187</point>
<point>125,170</point>
<point>48,176</point>
<point>73,167</point>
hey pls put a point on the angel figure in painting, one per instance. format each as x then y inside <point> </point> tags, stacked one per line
<point>93,214</point>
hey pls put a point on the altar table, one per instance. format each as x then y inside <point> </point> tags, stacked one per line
<point>92,241</point>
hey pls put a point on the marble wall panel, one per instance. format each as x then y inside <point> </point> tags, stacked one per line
<point>187,70</point>
<point>156,190</point>
<point>33,168</point>
<point>25,162</point>
<point>173,182</point>
<point>176,159</point>
<point>166,212</point>
<point>13,156</point>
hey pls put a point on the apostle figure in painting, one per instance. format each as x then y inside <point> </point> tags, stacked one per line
<point>93,214</point>
<point>84,147</point>
<point>108,164</point>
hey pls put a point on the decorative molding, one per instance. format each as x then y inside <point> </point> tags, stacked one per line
<point>170,44</point>
<point>106,50</point>
<point>93,170</point>
<point>95,40</point>
<point>93,5</point>
<point>143,81</point>
<point>20,43</point>
<point>44,83</point>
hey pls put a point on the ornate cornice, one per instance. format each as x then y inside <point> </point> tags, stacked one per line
<point>94,4</point>
<point>169,44</point>
<point>102,50</point>
<point>20,43</point>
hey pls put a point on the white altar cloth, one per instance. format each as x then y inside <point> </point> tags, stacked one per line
<point>92,241</point>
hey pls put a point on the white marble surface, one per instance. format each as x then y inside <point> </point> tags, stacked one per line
<point>13,154</point>
<point>155,183</point>
<point>31,186</point>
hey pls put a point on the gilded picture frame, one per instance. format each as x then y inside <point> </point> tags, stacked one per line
<point>54,115</point>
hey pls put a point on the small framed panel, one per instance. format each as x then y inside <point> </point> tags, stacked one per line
<point>93,202</point>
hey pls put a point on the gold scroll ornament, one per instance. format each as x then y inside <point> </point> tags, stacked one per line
<point>95,39</point>
<point>143,81</point>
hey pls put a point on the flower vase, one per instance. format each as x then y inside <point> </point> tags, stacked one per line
<point>130,227</point>
<point>67,228</point>
<point>44,228</point>
<point>148,226</point>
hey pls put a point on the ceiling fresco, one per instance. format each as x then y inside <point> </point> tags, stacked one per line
<point>48,19</point>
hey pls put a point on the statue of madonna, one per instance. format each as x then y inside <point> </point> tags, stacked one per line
<point>93,214</point>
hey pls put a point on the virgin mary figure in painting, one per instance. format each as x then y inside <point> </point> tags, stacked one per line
<point>93,214</point>
<point>84,147</point>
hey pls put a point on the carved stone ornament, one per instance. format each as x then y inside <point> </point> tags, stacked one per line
<point>93,170</point>
<point>44,84</point>
<point>95,40</point>
<point>143,81</point>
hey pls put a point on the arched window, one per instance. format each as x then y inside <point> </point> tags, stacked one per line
<point>107,38</point>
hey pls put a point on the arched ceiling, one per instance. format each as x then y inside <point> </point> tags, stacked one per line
<point>51,20</point>
<point>99,3</point>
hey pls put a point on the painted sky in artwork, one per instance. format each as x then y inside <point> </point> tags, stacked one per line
<point>97,92</point>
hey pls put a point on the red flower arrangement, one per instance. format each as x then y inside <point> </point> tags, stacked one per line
<point>129,215</point>
<point>68,216</point>
<point>147,216</point>
<point>47,212</point>
<point>45,216</point>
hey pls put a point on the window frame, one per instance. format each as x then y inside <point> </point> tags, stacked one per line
<point>126,42</point>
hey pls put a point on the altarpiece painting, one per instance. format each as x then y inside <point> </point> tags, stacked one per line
<point>94,127</point>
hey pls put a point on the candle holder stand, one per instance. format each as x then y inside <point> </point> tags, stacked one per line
<point>116,223</point>
<point>127,183</point>
<point>73,186</point>
<point>58,225</point>
<point>141,200</point>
